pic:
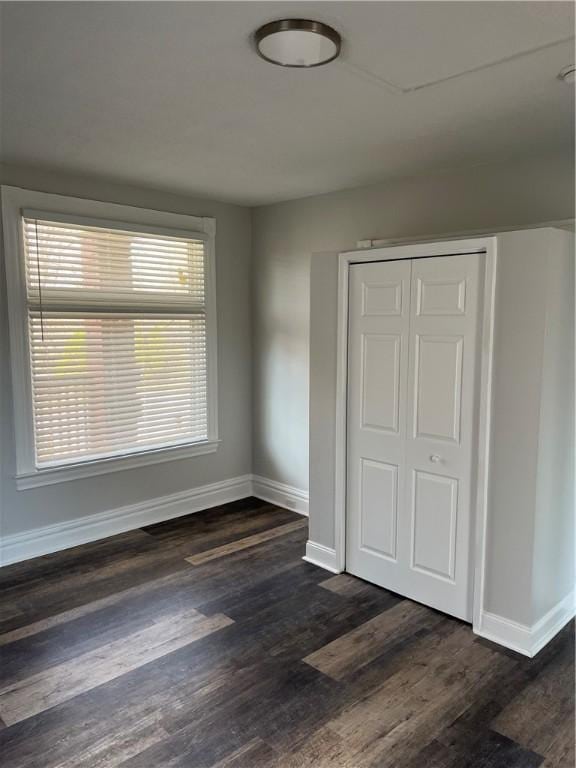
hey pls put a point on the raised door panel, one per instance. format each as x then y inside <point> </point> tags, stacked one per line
<point>438,385</point>
<point>380,381</point>
<point>381,298</point>
<point>434,521</point>
<point>379,508</point>
<point>440,296</point>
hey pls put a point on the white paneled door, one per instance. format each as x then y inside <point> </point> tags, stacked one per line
<point>412,386</point>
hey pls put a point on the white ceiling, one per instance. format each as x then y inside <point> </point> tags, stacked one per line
<point>172,95</point>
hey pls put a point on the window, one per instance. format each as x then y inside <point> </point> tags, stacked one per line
<point>114,322</point>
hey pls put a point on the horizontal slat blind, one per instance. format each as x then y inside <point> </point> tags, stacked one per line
<point>117,340</point>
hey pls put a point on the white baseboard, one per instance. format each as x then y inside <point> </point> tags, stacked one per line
<point>52,538</point>
<point>324,557</point>
<point>281,494</point>
<point>505,632</point>
<point>522,638</point>
<point>552,622</point>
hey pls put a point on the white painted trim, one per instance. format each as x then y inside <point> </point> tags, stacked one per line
<point>484,438</point>
<point>505,632</point>
<point>524,639</point>
<point>281,494</point>
<point>209,227</point>
<point>52,538</point>
<point>14,200</point>
<point>64,473</point>
<point>552,622</point>
<point>542,633</point>
<point>340,431</point>
<point>323,557</point>
<point>381,242</point>
<point>417,250</point>
<point>486,245</point>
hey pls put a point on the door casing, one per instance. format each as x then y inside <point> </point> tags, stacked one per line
<point>488,247</point>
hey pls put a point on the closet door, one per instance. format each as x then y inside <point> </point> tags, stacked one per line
<point>379,326</point>
<point>414,490</point>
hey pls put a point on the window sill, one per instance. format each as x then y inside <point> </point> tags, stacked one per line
<point>62,474</point>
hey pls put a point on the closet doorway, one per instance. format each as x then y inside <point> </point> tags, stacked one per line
<point>417,381</point>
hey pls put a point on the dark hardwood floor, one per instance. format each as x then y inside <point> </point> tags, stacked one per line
<point>207,641</point>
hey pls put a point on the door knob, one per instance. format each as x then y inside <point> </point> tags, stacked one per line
<point>435,458</point>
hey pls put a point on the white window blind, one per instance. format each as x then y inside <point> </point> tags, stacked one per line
<point>117,333</point>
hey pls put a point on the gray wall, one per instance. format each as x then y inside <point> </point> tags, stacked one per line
<point>525,430</point>
<point>553,575</point>
<point>323,362</point>
<point>28,509</point>
<point>287,234</point>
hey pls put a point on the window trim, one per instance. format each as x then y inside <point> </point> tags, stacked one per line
<point>16,201</point>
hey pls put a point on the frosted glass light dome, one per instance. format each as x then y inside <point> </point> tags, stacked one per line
<point>297,43</point>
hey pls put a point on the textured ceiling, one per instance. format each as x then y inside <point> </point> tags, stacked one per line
<point>172,95</point>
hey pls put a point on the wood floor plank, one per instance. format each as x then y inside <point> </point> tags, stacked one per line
<point>277,702</point>
<point>561,752</point>
<point>348,586</point>
<point>497,751</point>
<point>45,600</point>
<point>255,754</point>
<point>488,699</point>
<point>111,714</point>
<point>214,519</point>
<point>76,632</point>
<point>70,566</point>
<point>115,748</point>
<point>207,699</point>
<point>433,703</point>
<point>491,750</point>
<point>9,612</point>
<point>57,619</point>
<point>322,749</point>
<point>246,543</point>
<point>300,623</point>
<point>363,644</point>
<point>247,601</point>
<point>57,684</point>
<point>400,717</point>
<point>213,733</point>
<point>219,526</point>
<point>63,643</point>
<point>67,582</point>
<point>434,755</point>
<point>534,716</point>
<point>93,606</point>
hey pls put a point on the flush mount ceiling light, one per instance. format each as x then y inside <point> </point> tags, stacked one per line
<point>297,43</point>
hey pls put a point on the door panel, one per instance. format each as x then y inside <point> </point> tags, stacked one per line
<point>438,387</point>
<point>379,508</point>
<point>412,360</point>
<point>378,365</point>
<point>380,381</point>
<point>440,297</point>
<point>381,298</point>
<point>434,524</point>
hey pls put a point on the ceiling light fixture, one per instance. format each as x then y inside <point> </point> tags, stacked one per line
<point>297,43</point>
<point>568,74</point>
